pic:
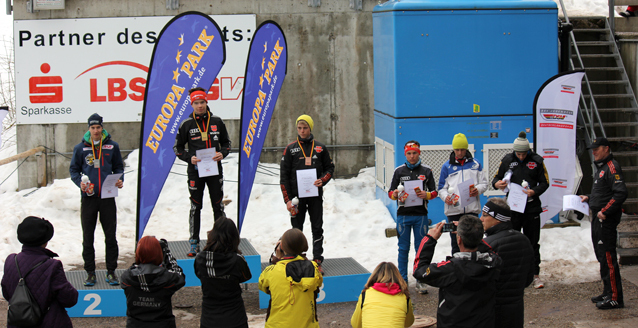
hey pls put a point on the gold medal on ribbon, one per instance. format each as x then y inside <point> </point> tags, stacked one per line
<point>204,136</point>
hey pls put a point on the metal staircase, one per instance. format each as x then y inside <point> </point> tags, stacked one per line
<point>608,108</point>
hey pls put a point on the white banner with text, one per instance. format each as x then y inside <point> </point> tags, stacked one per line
<point>67,69</point>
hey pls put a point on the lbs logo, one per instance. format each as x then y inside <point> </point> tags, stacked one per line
<point>531,165</point>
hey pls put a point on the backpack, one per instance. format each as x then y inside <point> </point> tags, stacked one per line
<point>24,310</point>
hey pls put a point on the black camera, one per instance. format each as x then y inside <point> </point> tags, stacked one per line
<point>449,227</point>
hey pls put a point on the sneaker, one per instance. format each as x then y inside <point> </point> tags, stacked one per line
<point>538,283</point>
<point>627,14</point>
<point>111,279</point>
<point>421,288</point>
<point>607,304</point>
<point>598,298</point>
<point>194,248</point>
<point>319,265</point>
<point>90,279</point>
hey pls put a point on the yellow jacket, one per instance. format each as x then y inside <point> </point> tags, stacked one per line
<point>293,285</point>
<point>381,309</point>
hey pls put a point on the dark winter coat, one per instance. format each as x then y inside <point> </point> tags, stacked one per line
<point>517,272</point>
<point>467,285</point>
<point>189,134</point>
<point>47,283</point>
<point>148,289</point>
<point>609,191</point>
<point>531,169</point>
<point>82,161</point>
<point>293,160</point>
<point>404,173</point>
<point>221,274</point>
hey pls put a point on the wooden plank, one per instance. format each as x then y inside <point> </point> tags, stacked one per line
<point>625,3</point>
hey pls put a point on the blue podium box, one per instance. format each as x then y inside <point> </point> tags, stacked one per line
<point>104,300</point>
<point>343,281</point>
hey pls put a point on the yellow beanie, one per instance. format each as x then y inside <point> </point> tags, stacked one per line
<point>459,141</point>
<point>307,119</point>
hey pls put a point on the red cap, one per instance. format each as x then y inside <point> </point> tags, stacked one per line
<point>198,95</point>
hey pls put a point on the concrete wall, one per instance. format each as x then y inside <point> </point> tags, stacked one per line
<point>330,77</point>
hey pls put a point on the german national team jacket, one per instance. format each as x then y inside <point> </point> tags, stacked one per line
<point>294,159</point>
<point>453,173</point>
<point>467,285</point>
<point>189,134</point>
<point>532,170</point>
<point>404,173</point>
<point>609,190</point>
<point>83,161</point>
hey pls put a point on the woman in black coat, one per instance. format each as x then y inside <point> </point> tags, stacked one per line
<point>149,285</point>
<point>221,268</point>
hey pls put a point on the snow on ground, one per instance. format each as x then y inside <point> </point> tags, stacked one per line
<point>354,221</point>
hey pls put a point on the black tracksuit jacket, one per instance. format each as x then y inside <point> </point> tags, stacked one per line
<point>609,190</point>
<point>532,170</point>
<point>404,173</point>
<point>293,160</point>
<point>467,285</point>
<point>221,274</point>
<point>189,134</point>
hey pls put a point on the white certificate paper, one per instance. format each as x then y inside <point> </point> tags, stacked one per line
<point>517,199</point>
<point>413,199</point>
<point>207,167</point>
<point>464,193</point>
<point>572,202</point>
<point>306,183</point>
<point>507,178</point>
<point>109,190</point>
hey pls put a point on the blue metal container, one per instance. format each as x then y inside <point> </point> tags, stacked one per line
<point>443,67</point>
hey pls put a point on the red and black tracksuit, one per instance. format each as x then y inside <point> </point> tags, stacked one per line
<point>190,133</point>
<point>294,159</point>
<point>607,196</point>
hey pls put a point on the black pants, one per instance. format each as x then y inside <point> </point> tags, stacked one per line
<point>510,315</point>
<point>531,224</point>
<point>314,207</point>
<point>89,210</point>
<point>196,187</point>
<point>603,236</point>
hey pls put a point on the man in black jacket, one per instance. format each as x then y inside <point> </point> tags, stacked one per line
<point>605,201</point>
<point>466,280</point>
<point>517,271</point>
<point>526,165</point>
<point>202,130</point>
<point>303,154</point>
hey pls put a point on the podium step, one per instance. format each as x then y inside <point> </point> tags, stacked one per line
<point>104,300</point>
<point>343,281</point>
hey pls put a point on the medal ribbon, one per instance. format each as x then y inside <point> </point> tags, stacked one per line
<point>311,149</point>
<point>200,129</point>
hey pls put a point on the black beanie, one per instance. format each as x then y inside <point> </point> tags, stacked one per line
<point>35,231</point>
<point>95,119</point>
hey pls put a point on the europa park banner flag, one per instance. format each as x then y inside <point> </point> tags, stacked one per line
<point>265,73</point>
<point>189,53</point>
<point>555,118</point>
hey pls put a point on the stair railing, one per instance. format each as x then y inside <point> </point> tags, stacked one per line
<point>587,114</point>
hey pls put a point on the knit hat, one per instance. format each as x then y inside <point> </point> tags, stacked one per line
<point>521,144</point>
<point>35,231</point>
<point>95,119</point>
<point>459,141</point>
<point>307,119</point>
<point>198,95</point>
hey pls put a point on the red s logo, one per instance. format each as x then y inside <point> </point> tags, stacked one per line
<point>45,89</point>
